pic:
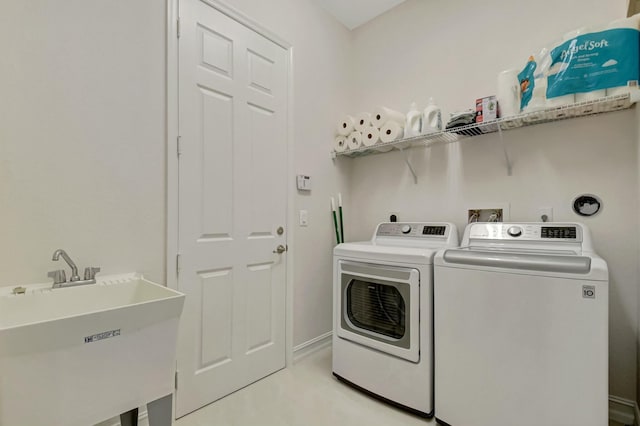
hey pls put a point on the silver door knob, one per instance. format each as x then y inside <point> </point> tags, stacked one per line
<point>280,249</point>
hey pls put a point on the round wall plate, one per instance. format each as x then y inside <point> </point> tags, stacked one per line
<point>587,205</point>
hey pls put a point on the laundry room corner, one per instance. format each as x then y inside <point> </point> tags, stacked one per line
<point>551,164</point>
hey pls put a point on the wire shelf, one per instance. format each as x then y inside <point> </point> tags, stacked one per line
<point>581,109</point>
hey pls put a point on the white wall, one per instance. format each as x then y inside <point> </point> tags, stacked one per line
<point>454,51</point>
<point>82,139</point>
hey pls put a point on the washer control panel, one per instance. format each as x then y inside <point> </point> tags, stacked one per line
<point>413,230</point>
<point>526,231</point>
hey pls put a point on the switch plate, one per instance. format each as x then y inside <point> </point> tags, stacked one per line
<point>303,182</point>
<point>304,217</point>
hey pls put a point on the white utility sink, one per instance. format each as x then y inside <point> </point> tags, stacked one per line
<point>77,356</point>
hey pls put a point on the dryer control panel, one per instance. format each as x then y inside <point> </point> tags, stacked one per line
<point>413,230</point>
<point>570,232</point>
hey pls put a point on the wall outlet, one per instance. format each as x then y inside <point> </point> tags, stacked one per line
<point>485,215</point>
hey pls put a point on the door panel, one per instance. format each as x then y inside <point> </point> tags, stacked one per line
<point>216,317</point>
<point>232,171</point>
<point>216,118</point>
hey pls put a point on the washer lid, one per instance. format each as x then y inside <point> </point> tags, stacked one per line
<point>368,251</point>
<point>542,261</point>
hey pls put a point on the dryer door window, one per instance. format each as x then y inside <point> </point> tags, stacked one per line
<point>379,307</point>
<point>376,307</point>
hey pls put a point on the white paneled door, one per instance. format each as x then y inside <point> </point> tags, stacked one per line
<point>233,86</point>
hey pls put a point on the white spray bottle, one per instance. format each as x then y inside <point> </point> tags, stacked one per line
<point>432,121</point>
<point>414,121</point>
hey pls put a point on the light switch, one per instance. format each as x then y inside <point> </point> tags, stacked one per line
<point>304,218</point>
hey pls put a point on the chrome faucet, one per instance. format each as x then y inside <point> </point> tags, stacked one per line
<point>59,276</point>
<point>72,265</point>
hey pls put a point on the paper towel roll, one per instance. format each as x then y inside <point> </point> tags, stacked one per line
<point>633,22</point>
<point>345,126</point>
<point>382,115</point>
<point>340,144</point>
<point>391,131</point>
<point>354,140</point>
<point>370,136</point>
<point>362,121</point>
<point>508,93</point>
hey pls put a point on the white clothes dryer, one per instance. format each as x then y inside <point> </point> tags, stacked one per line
<point>521,327</point>
<point>383,312</point>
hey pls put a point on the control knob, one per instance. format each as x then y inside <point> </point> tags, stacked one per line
<point>406,229</point>
<point>514,231</point>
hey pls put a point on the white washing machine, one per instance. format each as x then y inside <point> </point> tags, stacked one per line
<point>521,327</point>
<point>383,312</point>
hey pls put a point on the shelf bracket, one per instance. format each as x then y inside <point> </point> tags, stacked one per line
<point>406,160</point>
<point>506,153</point>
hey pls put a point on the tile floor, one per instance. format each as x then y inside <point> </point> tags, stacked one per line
<point>305,395</point>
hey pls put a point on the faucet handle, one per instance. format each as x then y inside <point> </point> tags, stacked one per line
<point>58,276</point>
<point>90,273</point>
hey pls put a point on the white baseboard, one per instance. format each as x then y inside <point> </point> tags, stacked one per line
<point>623,410</point>
<point>311,346</point>
<point>142,420</point>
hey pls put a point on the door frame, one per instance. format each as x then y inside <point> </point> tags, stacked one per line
<point>172,131</point>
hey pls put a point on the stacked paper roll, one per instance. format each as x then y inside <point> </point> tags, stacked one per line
<point>370,136</point>
<point>346,125</point>
<point>382,115</point>
<point>632,22</point>
<point>391,131</point>
<point>354,140</point>
<point>559,101</point>
<point>362,121</point>
<point>340,144</point>
<point>594,94</point>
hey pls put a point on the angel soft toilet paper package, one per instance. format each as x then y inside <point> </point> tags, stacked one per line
<point>594,61</point>
<point>585,62</point>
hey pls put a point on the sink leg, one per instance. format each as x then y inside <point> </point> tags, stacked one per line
<point>160,411</point>
<point>130,418</point>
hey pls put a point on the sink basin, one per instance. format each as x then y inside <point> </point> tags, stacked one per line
<point>80,355</point>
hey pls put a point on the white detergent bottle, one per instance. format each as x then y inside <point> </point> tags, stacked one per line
<point>414,121</point>
<point>432,121</point>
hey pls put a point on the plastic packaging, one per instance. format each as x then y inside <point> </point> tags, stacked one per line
<point>584,66</point>
<point>414,121</point>
<point>432,118</point>
<point>508,93</point>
